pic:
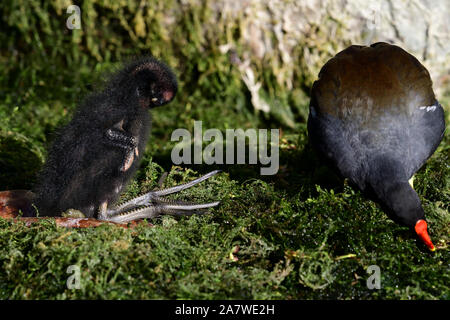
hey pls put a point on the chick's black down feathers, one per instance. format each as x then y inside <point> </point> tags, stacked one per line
<point>98,151</point>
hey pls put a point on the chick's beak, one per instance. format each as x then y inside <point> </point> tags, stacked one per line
<point>421,230</point>
<point>168,95</point>
<point>165,98</point>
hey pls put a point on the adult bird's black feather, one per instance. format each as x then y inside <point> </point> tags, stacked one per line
<point>374,116</point>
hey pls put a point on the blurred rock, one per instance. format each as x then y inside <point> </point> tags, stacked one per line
<point>288,33</point>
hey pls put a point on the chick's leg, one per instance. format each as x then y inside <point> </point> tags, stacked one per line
<point>118,137</point>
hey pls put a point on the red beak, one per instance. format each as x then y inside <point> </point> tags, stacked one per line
<point>421,230</point>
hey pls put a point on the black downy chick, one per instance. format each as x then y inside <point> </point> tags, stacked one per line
<point>96,154</point>
<point>374,116</point>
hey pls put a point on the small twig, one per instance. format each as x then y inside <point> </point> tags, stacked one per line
<point>162,179</point>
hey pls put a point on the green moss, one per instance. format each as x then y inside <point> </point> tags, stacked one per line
<point>19,161</point>
<point>286,247</point>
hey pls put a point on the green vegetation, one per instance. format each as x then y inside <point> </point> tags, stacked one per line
<point>300,234</point>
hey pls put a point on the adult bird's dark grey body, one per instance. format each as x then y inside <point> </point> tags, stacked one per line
<point>374,116</point>
<point>96,154</point>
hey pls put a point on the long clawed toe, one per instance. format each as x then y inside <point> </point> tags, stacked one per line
<point>152,204</point>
